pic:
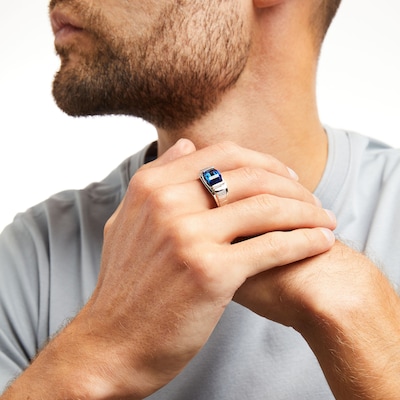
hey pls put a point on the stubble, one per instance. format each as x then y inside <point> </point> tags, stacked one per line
<point>172,76</point>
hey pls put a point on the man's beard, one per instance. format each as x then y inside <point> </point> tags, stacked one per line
<point>170,77</point>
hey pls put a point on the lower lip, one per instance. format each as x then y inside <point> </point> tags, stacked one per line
<point>66,32</point>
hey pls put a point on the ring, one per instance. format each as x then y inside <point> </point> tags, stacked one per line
<point>212,179</point>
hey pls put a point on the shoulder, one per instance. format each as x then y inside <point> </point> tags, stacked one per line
<point>372,150</point>
<point>356,160</point>
<point>363,182</point>
<point>360,168</point>
<point>50,255</point>
<point>362,148</point>
<point>374,167</point>
<point>92,205</point>
<point>67,223</point>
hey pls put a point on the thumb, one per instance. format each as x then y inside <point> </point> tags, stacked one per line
<point>181,148</point>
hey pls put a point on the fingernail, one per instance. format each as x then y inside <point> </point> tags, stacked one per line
<point>331,215</point>
<point>293,174</point>
<point>329,235</point>
<point>185,145</point>
<point>317,201</point>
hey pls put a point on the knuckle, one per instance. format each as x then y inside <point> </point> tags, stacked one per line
<point>315,240</point>
<point>181,235</point>
<point>161,200</point>
<point>309,237</point>
<point>277,246</point>
<point>155,202</point>
<point>228,148</point>
<point>111,222</point>
<point>196,256</point>
<point>268,203</point>
<point>107,226</point>
<point>204,270</point>
<point>141,184</point>
<point>301,193</point>
<point>253,175</point>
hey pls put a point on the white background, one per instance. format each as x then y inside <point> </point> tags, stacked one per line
<point>42,151</point>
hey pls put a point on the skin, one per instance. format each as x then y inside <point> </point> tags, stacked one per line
<point>154,72</point>
<point>291,270</point>
<point>165,331</point>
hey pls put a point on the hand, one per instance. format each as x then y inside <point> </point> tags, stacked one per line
<point>169,269</point>
<point>297,294</point>
<point>346,310</point>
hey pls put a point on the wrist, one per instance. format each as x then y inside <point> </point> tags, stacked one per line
<point>98,359</point>
<point>357,337</point>
<point>75,365</point>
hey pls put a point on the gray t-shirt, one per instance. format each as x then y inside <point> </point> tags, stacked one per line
<point>50,257</point>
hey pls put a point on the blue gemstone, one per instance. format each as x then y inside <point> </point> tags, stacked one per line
<point>212,176</point>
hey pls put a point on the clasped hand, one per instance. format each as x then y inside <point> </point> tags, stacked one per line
<point>171,264</point>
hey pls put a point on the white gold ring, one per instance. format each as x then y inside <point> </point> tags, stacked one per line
<point>215,184</point>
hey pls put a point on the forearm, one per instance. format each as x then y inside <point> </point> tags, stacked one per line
<point>72,366</point>
<point>347,311</point>
<point>359,348</point>
<point>163,285</point>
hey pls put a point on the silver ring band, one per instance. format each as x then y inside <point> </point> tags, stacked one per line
<point>215,184</point>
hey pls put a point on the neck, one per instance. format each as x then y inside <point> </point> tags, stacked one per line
<point>286,126</point>
<point>298,142</point>
<point>271,109</point>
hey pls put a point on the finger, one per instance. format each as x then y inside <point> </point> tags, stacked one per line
<point>193,197</point>
<point>181,148</point>
<point>260,214</point>
<point>247,182</point>
<point>223,156</point>
<point>275,249</point>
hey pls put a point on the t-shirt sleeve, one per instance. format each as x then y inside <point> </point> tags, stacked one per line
<point>22,287</point>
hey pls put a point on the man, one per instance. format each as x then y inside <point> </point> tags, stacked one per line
<point>248,298</point>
